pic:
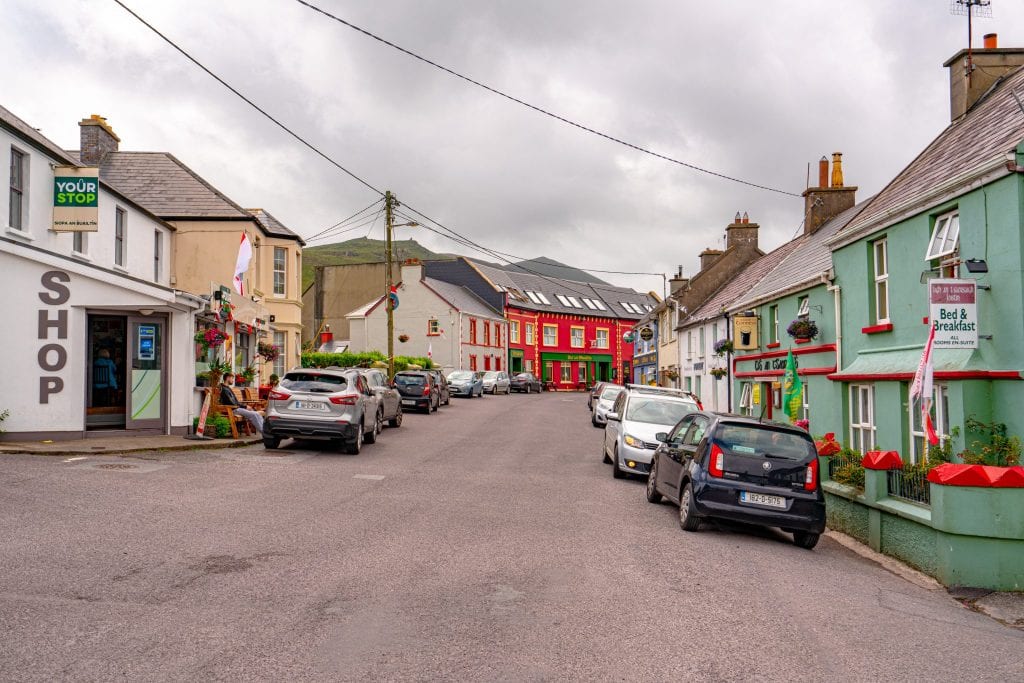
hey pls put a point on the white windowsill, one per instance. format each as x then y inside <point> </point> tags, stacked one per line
<point>20,234</point>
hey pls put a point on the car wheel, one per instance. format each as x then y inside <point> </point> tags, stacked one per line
<point>604,453</point>
<point>805,539</point>
<point>528,388</point>
<point>271,442</point>
<point>378,427</point>
<point>593,421</point>
<point>396,421</point>
<point>616,472</point>
<point>356,445</point>
<point>652,483</point>
<point>688,519</point>
<point>448,400</point>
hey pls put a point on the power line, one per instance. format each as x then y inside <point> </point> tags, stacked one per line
<point>540,110</point>
<point>343,221</point>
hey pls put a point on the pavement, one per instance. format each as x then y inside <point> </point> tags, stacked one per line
<point>114,445</point>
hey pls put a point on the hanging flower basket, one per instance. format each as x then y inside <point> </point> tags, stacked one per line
<point>403,338</point>
<point>210,338</point>
<point>269,352</point>
<point>802,328</point>
<point>723,346</point>
<point>719,373</point>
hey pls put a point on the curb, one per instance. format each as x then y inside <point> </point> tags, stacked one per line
<point>895,566</point>
<point>116,450</point>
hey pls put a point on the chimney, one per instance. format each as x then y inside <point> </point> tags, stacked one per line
<point>972,73</point>
<point>708,257</point>
<point>678,282</point>
<point>326,337</point>
<point>823,203</point>
<point>98,139</point>
<point>741,232</point>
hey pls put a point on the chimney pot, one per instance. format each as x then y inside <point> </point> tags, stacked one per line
<point>738,219</point>
<point>991,41</point>
<point>823,172</point>
<point>837,169</point>
<point>746,218</point>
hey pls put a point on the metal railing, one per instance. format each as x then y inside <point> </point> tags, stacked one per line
<point>910,486</point>
<point>837,462</point>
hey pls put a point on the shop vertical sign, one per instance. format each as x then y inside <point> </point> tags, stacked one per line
<point>953,311</point>
<point>76,195</point>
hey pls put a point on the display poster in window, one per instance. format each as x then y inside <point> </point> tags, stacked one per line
<point>953,312</point>
<point>76,199</point>
<point>744,329</point>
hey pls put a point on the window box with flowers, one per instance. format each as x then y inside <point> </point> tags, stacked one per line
<point>802,329</point>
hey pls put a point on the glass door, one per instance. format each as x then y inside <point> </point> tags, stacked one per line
<point>147,381</point>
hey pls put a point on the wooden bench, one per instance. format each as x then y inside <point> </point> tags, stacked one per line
<point>238,423</point>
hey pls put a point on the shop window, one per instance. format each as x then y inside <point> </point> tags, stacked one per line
<point>280,261</point>
<point>550,335</point>
<point>862,417</point>
<point>548,370</point>
<point>880,263</point>
<point>566,372</point>
<point>583,373</point>
<point>242,346</point>
<point>513,331</point>
<point>940,422</point>
<point>528,365</point>
<point>576,337</point>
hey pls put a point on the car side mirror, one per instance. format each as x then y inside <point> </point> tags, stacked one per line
<point>613,417</point>
<point>661,436</point>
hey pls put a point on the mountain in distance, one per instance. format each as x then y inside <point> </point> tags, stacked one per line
<point>364,250</point>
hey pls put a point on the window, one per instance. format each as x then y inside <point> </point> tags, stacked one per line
<point>574,301</point>
<point>79,243</point>
<point>590,304</point>
<point>120,217</point>
<point>566,372</point>
<point>472,331</point>
<point>513,331</point>
<point>487,362</point>
<point>576,337</point>
<point>528,365</point>
<point>158,252</point>
<point>803,307</point>
<point>689,344</point>
<point>601,341</point>
<point>696,385</point>
<point>433,327</point>
<point>242,346</point>
<point>600,305</point>
<point>583,373</point>
<point>806,413</point>
<point>945,236</point>
<point>16,214</point>
<point>530,331</point>
<point>280,264</point>
<point>703,348</point>
<point>746,403</point>
<point>533,296</point>
<point>773,324</point>
<point>550,335</point>
<point>548,370</point>
<point>881,273</point>
<point>280,342</point>
<point>472,362</point>
<point>543,299</point>
<point>862,417</point>
<point>940,422</point>
<point>563,300</point>
<point>487,333</point>
<point>497,334</point>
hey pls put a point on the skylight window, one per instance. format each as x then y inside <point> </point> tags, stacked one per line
<point>533,296</point>
<point>543,299</point>
<point>575,302</point>
<point>564,301</point>
<point>590,304</point>
<point>945,237</point>
<point>630,308</point>
<point>600,305</point>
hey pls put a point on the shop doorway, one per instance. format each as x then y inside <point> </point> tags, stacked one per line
<point>126,373</point>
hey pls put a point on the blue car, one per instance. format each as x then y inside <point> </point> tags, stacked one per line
<point>466,383</point>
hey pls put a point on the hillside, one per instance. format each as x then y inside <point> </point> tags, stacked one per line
<point>360,250</point>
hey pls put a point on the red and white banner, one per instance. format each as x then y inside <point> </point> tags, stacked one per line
<point>242,263</point>
<point>922,388</point>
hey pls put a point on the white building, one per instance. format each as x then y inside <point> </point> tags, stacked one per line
<point>447,321</point>
<point>78,302</point>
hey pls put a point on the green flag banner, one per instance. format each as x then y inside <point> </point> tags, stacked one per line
<point>792,389</point>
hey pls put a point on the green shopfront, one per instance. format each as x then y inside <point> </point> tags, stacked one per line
<point>573,370</point>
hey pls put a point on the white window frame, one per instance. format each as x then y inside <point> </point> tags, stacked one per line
<point>600,305</point>
<point>565,369</point>
<point>803,306</point>
<point>19,162</point>
<point>601,338</point>
<point>158,254</point>
<point>880,272</point>
<point>280,268</point>
<point>945,239</point>
<point>746,404</point>
<point>120,237</point>
<point>562,299</point>
<point>940,421</point>
<point>532,296</point>
<point>80,243</point>
<point>575,302</point>
<point>531,333</point>
<point>543,299</point>
<point>576,337</point>
<point>590,304</point>
<point>281,342</point>
<point>513,331</point>
<point>554,335</point>
<point>773,313</point>
<point>805,411</point>
<point>862,427</point>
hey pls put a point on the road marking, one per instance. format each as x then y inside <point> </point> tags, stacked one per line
<point>81,457</point>
<point>374,477</point>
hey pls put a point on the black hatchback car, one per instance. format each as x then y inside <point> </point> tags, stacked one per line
<point>418,389</point>
<point>742,469</point>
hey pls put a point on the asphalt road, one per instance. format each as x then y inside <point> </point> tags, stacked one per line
<point>485,542</point>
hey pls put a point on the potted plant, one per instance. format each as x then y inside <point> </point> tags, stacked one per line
<point>209,338</point>
<point>723,347</point>
<point>403,338</point>
<point>202,379</point>
<point>802,328</point>
<point>247,374</point>
<point>719,373</point>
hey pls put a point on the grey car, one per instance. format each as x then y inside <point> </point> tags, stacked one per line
<point>324,404</point>
<point>387,394</point>
<point>603,404</point>
<point>637,416</point>
<point>497,382</point>
<point>465,383</point>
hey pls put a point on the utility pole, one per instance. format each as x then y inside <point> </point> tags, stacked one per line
<point>389,201</point>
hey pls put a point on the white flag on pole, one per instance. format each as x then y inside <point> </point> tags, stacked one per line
<point>242,263</point>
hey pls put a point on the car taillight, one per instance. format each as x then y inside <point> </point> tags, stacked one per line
<point>811,479</point>
<point>426,390</point>
<point>279,395</point>
<point>343,400</point>
<point>716,461</point>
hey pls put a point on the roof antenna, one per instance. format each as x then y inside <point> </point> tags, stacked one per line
<point>970,8</point>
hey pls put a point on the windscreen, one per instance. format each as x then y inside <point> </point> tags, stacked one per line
<point>490,375</point>
<point>748,439</point>
<point>610,393</point>
<point>410,380</point>
<point>657,410</point>
<point>460,375</point>
<point>314,382</point>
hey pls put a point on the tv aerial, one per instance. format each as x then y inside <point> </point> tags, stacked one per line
<point>971,9</point>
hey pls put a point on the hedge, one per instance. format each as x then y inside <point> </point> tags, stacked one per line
<point>354,360</point>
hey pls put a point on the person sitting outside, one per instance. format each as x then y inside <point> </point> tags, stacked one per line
<point>227,398</point>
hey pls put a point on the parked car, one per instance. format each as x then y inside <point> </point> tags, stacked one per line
<point>466,383</point>
<point>603,404</point>
<point>526,382</point>
<point>594,392</point>
<point>443,390</point>
<point>637,415</point>
<point>331,404</point>
<point>739,468</point>
<point>497,382</point>
<point>390,399</point>
<point>419,390</point>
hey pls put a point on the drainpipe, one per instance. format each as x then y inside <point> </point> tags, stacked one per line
<point>728,370</point>
<point>826,279</point>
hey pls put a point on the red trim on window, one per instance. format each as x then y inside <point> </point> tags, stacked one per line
<point>802,341</point>
<point>773,345</point>
<point>780,373</point>
<point>779,354</point>
<point>875,329</point>
<point>949,374</point>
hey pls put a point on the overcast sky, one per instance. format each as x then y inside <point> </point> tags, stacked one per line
<point>747,88</point>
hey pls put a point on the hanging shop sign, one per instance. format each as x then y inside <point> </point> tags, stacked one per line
<point>744,332</point>
<point>76,199</point>
<point>647,334</point>
<point>953,312</point>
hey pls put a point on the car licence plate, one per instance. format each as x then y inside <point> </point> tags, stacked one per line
<point>762,499</point>
<point>408,403</point>
<point>310,405</point>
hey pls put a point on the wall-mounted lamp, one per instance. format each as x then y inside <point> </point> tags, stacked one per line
<point>273,318</point>
<point>218,295</point>
<point>976,265</point>
<point>146,311</point>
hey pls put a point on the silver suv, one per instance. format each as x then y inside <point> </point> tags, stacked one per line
<point>637,415</point>
<point>328,404</point>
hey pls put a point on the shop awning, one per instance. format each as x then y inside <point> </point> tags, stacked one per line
<point>901,364</point>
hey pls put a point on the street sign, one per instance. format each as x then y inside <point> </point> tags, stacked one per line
<point>953,312</point>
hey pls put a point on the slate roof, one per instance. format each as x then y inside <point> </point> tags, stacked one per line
<point>167,187</point>
<point>809,258</point>
<point>274,227</point>
<point>462,298</point>
<point>518,283</point>
<point>9,120</point>
<point>992,127</point>
<point>741,283</point>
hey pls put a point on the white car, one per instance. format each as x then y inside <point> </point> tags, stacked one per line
<point>604,403</point>
<point>637,415</point>
<point>497,382</point>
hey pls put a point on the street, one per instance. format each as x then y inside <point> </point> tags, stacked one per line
<point>485,542</point>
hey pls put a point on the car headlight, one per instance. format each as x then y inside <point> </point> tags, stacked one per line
<point>633,441</point>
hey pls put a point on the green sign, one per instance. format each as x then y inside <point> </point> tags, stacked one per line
<point>582,357</point>
<point>515,353</point>
<point>76,192</point>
